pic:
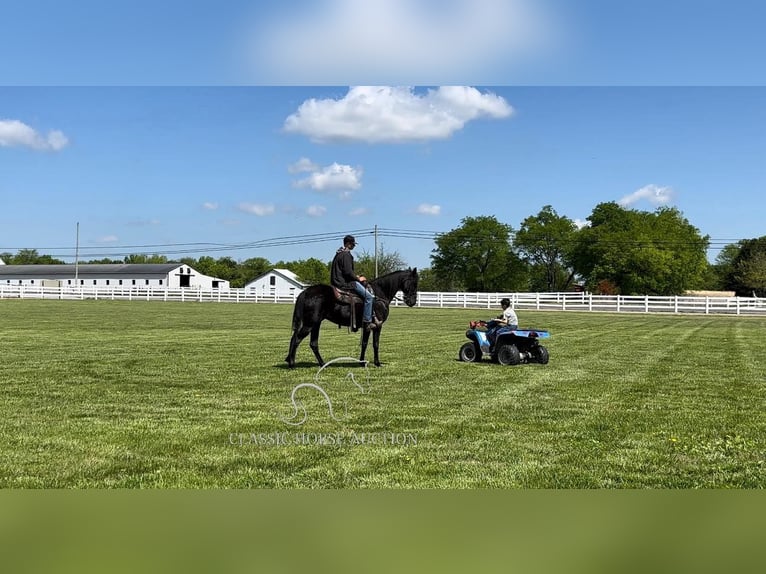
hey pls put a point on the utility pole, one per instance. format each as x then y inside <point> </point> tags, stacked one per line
<point>77,256</point>
<point>376,250</point>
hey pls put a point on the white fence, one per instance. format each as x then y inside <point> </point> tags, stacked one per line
<point>534,301</point>
<point>603,303</point>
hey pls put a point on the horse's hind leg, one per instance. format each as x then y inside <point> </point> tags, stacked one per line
<point>314,343</point>
<point>295,340</point>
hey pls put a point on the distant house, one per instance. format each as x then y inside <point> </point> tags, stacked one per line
<point>2,262</point>
<point>169,275</point>
<point>279,282</point>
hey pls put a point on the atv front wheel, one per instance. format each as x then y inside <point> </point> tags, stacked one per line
<point>508,355</point>
<point>541,355</point>
<point>469,353</point>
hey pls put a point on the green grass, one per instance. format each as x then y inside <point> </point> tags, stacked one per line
<point>152,395</point>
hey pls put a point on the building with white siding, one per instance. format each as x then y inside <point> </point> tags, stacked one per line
<point>279,282</point>
<point>126,275</point>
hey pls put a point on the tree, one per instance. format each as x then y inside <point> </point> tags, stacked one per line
<point>751,273</point>
<point>427,280</point>
<point>657,253</point>
<point>311,270</point>
<point>204,265</point>
<point>388,262</point>
<point>104,261</point>
<point>477,256</point>
<point>251,268</point>
<point>747,273</point>
<point>29,257</point>
<point>545,241</point>
<point>144,258</point>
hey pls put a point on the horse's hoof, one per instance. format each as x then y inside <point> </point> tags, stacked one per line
<point>377,363</point>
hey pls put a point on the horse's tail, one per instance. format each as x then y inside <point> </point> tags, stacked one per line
<point>298,312</point>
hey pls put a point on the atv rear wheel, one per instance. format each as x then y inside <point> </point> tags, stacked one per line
<point>469,353</point>
<point>508,354</point>
<point>541,355</point>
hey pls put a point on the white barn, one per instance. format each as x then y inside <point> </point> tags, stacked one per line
<point>126,275</point>
<point>277,282</point>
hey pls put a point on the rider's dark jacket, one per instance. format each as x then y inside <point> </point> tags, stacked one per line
<point>342,270</point>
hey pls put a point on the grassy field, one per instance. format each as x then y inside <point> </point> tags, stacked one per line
<point>169,395</point>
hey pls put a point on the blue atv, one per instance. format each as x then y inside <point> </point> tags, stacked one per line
<point>505,345</point>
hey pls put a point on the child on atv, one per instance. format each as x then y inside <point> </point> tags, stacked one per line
<point>508,318</point>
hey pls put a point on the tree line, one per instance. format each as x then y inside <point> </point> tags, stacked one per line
<point>619,251</point>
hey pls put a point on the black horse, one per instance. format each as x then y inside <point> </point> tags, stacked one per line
<point>319,302</point>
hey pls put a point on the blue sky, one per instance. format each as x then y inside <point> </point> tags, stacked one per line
<point>236,165</point>
<point>399,42</point>
<point>155,123</point>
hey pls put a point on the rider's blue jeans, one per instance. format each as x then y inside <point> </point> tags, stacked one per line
<point>367,296</point>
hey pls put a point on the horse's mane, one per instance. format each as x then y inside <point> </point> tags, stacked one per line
<point>390,275</point>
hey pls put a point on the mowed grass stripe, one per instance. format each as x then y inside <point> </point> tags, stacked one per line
<point>146,394</point>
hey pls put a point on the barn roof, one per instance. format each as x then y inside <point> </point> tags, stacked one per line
<point>286,273</point>
<point>68,270</point>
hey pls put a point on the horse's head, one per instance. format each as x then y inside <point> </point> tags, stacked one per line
<point>410,287</point>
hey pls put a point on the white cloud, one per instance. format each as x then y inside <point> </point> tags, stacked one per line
<point>356,212</point>
<point>108,239</point>
<point>329,41</point>
<point>428,209</point>
<point>259,209</point>
<point>654,194</point>
<point>316,210</point>
<point>384,114</point>
<point>333,177</point>
<point>14,133</point>
<point>580,223</point>
<point>303,165</point>
<point>210,205</point>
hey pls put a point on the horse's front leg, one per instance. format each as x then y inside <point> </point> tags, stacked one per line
<point>365,339</point>
<point>314,343</point>
<point>375,344</point>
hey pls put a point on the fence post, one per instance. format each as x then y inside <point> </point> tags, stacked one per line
<point>737,305</point>
<point>707,305</point>
<point>564,302</point>
<point>590,301</point>
<point>618,303</point>
<point>675,304</point>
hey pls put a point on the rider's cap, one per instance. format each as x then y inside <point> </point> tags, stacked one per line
<point>349,239</point>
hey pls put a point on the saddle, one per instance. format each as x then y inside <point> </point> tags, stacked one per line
<point>346,297</point>
<point>350,298</point>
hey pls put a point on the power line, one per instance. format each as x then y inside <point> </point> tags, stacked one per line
<point>303,239</point>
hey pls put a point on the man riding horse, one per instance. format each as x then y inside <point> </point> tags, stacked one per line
<point>342,276</point>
